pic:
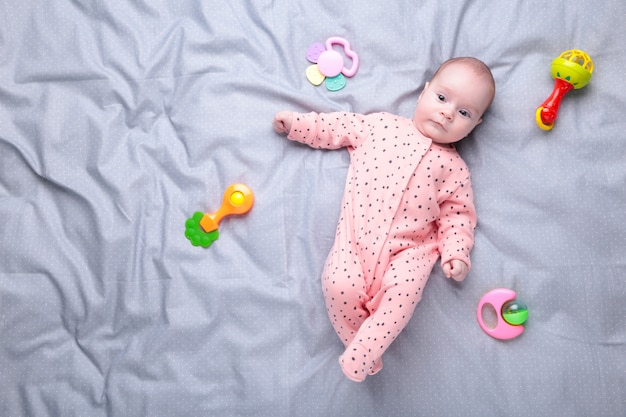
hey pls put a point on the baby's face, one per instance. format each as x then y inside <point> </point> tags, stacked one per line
<point>452,104</point>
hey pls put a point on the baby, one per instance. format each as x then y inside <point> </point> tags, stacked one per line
<point>407,200</point>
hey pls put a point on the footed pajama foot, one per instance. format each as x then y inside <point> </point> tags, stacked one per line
<point>356,363</point>
<point>378,365</point>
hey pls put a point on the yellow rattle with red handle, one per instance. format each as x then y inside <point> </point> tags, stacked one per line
<point>201,228</point>
<point>571,70</point>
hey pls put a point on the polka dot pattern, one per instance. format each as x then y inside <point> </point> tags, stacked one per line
<point>406,202</point>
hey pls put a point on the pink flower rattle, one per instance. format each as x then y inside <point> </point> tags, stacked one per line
<point>328,64</point>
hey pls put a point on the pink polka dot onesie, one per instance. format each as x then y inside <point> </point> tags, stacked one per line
<point>406,202</point>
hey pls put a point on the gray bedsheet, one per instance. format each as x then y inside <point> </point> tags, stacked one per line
<point>119,120</point>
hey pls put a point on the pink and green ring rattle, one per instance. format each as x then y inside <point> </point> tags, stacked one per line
<point>328,64</point>
<point>202,228</point>
<point>511,314</point>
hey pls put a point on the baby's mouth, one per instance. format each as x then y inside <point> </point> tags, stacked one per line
<point>439,124</point>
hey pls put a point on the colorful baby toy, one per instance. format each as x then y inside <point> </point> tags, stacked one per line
<point>571,70</point>
<point>328,64</point>
<point>511,314</point>
<point>201,228</point>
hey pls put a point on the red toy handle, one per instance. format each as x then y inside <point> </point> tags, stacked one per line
<point>550,107</point>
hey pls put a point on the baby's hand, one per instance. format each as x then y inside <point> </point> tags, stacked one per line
<point>282,122</point>
<point>455,269</point>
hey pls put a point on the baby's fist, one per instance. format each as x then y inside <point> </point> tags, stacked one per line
<point>455,269</point>
<point>282,122</point>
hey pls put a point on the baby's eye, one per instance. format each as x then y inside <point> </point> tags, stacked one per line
<point>441,97</point>
<point>464,113</point>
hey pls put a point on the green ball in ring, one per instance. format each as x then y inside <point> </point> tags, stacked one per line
<point>515,312</point>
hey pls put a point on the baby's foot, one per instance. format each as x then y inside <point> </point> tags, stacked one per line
<point>378,365</point>
<point>356,364</point>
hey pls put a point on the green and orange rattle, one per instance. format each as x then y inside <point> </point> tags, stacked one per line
<point>202,228</point>
<point>571,70</point>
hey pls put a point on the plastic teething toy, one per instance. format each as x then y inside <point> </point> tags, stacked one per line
<point>328,64</point>
<point>571,70</point>
<point>201,228</point>
<point>511,314</point>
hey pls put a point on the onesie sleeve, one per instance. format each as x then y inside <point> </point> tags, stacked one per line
<point>329,130</point>
<point>457,222</point>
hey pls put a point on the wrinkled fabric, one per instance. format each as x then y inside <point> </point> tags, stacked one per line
<point>118,121</point>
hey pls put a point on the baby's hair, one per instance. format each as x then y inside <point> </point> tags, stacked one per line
<point>479,67</point>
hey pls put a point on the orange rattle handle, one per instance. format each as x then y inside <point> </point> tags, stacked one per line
<point>238,199</point>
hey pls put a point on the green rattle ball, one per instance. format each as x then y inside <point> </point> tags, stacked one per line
<point>515,312</point>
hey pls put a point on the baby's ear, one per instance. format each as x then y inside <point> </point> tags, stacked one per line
<point>422,93</point>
